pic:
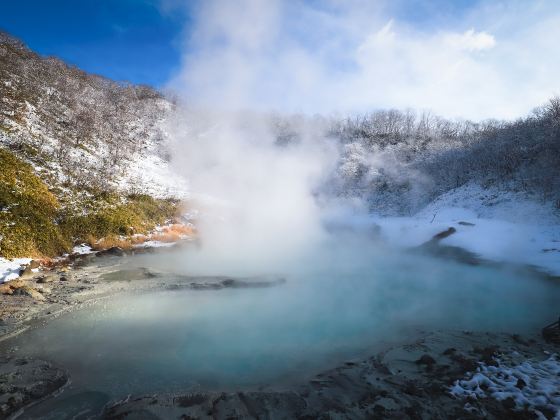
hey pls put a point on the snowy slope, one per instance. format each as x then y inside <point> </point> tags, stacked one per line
<point>497,225</point>
<point>149,173</point>
<point>83,131</point>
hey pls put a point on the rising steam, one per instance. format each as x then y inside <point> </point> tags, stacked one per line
<point>255,195</point>
<point>244,60</point>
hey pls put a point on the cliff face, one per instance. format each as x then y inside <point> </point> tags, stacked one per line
<point>78,129</point>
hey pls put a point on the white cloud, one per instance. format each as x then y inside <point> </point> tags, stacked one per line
<point>495,60</point>
<point>471,40</point>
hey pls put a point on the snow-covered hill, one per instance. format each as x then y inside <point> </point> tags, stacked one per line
<point>81,130</point>
<point>83,158</point>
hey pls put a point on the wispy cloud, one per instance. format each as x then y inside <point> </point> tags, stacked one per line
<point>496,59</point>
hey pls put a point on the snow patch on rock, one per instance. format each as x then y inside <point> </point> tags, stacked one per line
<point>495,224</point>
<point>82,249</point>
<point>533,385</point>
<point>10,269</point>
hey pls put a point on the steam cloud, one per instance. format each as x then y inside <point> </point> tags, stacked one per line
<point>255,196</point>
<point>244,60</point>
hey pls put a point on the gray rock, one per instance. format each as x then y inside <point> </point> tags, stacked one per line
<point>24,380</point>
<point>113,251</point>
<point>28,291</point>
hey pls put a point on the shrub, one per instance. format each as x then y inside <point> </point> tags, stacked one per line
<point>137,214</point>
<point>34,224</point>
<point>27,212</point>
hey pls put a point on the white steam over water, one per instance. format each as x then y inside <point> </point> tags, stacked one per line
<point>256,198</point>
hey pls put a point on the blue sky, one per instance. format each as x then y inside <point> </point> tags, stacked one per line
<point>458,58</point>
<point>134,40</point>
<point>122,39</point>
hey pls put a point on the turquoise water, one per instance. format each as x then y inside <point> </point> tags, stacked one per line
<point>330,310</point>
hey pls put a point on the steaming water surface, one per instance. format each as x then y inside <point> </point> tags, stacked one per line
<point>330,309</point>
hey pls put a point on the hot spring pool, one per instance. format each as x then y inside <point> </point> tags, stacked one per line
<point>323,315</point>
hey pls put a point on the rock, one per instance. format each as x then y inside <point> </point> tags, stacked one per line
<point>487,354</point>
<point>28,291</point>
<point>149,274</point>
<point>34,264</point>
<point>412,388</point>
<point>25,270</point>
<point>113,251</point>
<point>23,381</point>
<point>63,278</point>
<point>509,403</point>
<point>44,290</point>
<point>521,383</point>
<point>427,360</point>
<point>465,364</point>
<point>80,260</point>
<point>5,289</point>
<point>444,234</point>
<point>518,339</point>
<point>9,287</point>
<point>44,279</point>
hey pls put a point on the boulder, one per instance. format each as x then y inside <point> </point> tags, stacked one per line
<point>42,279</point>
<point>114,251</point>
<point>28,291</point>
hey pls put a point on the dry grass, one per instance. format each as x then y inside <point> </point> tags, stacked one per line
<point>179,229</point>
<point>111,242</point>
<point>166,237</point>
<point>167,234</point>
<point>139,239</point>
<point>173,233</point>
<point>91,240</point>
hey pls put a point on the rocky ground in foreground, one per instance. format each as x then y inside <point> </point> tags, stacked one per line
<point>411,381</point>
<point>408,381</point>
<point>35,298</point>
<point>24,381</point>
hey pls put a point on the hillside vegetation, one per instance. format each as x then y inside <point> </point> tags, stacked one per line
<point>82,128</point>
<point>33,222</point>
<point>69,144</point>
<point>399,161</point>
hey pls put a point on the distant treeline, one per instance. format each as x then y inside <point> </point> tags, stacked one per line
<point>400,160</point>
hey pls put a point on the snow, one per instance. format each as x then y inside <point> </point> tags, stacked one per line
<point>155,244</point>
<point>82,249</point>
<point>500,226</point>
<point>505,227</point>
<point>496,204</point>
<point>531,384</point>
<point>150,174</point>
<point>9,269</point>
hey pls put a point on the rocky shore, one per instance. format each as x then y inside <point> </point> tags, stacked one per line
<point>434,376</point>
<point>408,381</point>
<point>26,381</point>
<point>36,297</point>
